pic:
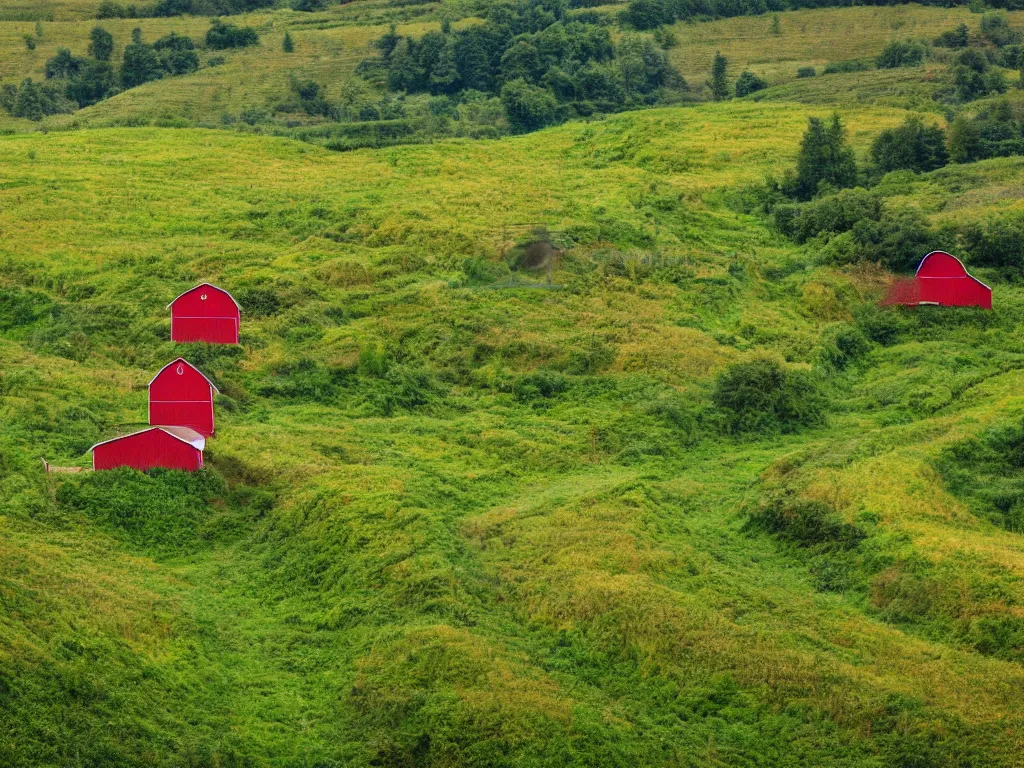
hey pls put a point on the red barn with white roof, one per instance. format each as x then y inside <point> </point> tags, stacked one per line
<point>205,313</point>
<point>156,447</point>
<point>181,396</point>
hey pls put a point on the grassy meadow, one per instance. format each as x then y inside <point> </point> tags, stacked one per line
<point>460,511</point>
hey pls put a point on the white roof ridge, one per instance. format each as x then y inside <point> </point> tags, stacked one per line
<point>958,261</point>
<point>186,362</point>
<point>165,429</point>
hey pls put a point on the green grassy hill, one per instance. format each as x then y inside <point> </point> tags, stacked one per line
<point>464,512</point>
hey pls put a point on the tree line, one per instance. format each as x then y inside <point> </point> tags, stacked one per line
<point>73,82</point>
<point>544,66</point>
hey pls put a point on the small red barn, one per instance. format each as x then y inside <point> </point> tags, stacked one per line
<point>165,447</point>
<point>205,313</point>
<point>941,279</point>
<point>181,396</point>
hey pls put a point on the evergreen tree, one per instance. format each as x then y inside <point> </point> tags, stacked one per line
<point>444,78</point>
<point>29,103</point>
<point>912,146</point>
<point>825,159</point>
<point>101,44</point>
<point>748,83</point>
<point>288,45</point>
<point>527,106</point>
<point>719,80</point>
<point>63,64</point>
<point>92,84</point>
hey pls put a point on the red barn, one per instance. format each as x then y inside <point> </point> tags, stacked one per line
<point>205,313</point>
<point>166,447</point>
<point>942,280</point>
<point>180,396</point>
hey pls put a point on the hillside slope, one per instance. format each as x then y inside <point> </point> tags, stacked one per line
<point>467,509</point>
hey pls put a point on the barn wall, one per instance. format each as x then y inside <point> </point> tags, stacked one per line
<point>178,413</point>
<point>148,450</point>
<point>214,320</point>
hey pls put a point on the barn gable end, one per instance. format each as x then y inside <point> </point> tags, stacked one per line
<point>205,313</point>
<point>181,396</point>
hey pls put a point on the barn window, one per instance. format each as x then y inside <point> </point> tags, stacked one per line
<point>180,370</point>
<point>203,297</point>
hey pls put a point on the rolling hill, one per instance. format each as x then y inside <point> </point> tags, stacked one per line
<point>463,509</point>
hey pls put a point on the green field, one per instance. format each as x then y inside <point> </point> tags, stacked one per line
<point>460,512</point>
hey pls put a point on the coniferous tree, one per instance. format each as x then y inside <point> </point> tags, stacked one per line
<point>140,63</point>
<point>288,45</point>
<point>825,158</point>
<point>719,80</point>
<point>29,103</point>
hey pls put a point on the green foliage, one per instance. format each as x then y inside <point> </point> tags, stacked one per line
<point>805,523</point>
<point>139,64</point>
<point>222,35</point>
<point>527,106</point>
<point>803,72</point>
<point>954,38</point>
<point>94,82</point>
<point>288,44</point>
<point>995,27</point>
<point>843,67</point>
<point>825,160</point>
<point>165,511</point>
<point>719,78</point>
<point>998,243</point>
<point>101,44</point>
<point>63,65</point>
<point>30,42</point>
<point>763,397</point>
<point>748,83</point>
<point>913,146</point>
<point>900,54</point>
<point>987,471</point>
<point>177,54</point>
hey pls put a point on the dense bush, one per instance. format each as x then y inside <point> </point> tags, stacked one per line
<point>998,243</point>
<point>954,38</point>
<point>163,510</point>
<point>101,44</point>
<point>900,54</point>
<point>33,101</point>
<point>988,470</point>
<point>748,83</point>
<point>803,72</point>
<point>207,7</point>
<point>139,64</point>
<point>831,214</point>
<point>177,54</point>
<point>804,522</point>
<point>845,67</point>
<point>527,106</point>
<point>912,146</point>
<point>763,396</point>
<point>221,36</point>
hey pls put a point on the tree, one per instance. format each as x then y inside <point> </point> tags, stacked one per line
<point>139,65</point>
<point>93,83</point>
<point>63,64</point>
<point>748,83</point>
<point>101,44</point>
<point>963,141</point>
<point>647,14</point>
<point>288,45</point>
<point>309,5</point>
<point>900,54</point>
<point>444,78</point>
<point>719,79</point>
<point>527,106</point>
<point>824,159</point>
<point>912,146</point>
<point>29,103</point>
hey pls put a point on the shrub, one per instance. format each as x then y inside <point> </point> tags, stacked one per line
<point>995,27</point>
<point>259,301</point>
<point>539,385</point>
<point>896,241</point>
<point>528,107</point>
<point>828,215</point>
<point>748,83</point>
<point>953,38</point>
<point>845,67</point>
<point>162,510</point>
<point>221,36</point>
<point>805,522</point>
<point>92,84</point>
<point>30,42</point>
<point>900,54</point>
<point>803,72</point>
<point>765,397</point>
<point>63,64</point>
<point>912,146</point>
<point>997,244</point>
<point>109,9</point>
<point>841,345</point>
<point>287,44</point>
